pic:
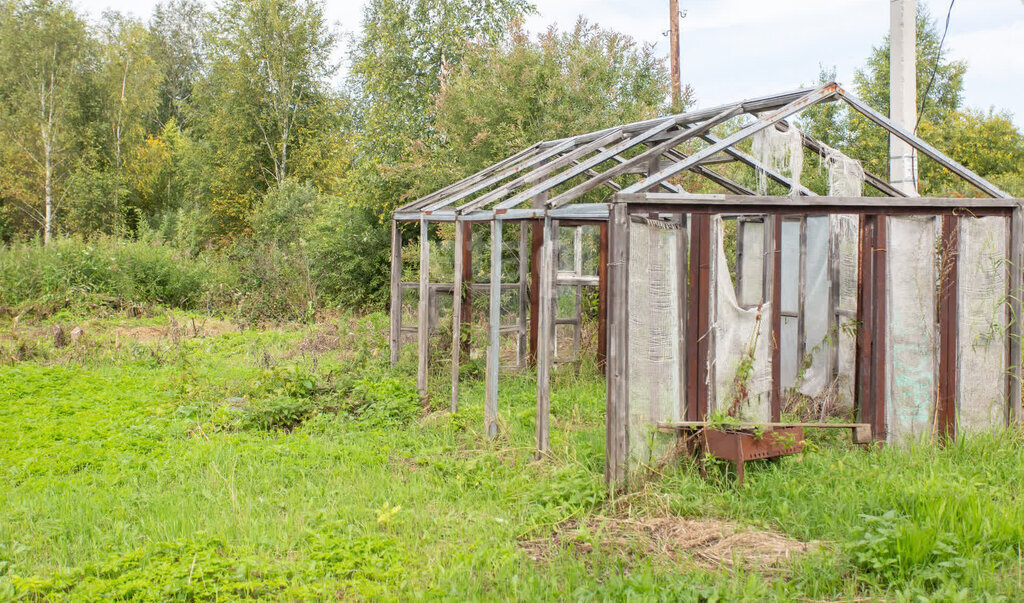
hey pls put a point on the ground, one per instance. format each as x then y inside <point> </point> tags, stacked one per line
<point>171,456</point>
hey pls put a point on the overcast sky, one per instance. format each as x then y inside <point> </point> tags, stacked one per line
<point>735,49</point>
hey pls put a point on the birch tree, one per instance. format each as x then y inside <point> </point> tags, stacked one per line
<point>44,48</point>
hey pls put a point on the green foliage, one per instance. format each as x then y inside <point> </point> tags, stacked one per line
<point>350,250</point>
<point>73,269</point>
<point>384,402</point>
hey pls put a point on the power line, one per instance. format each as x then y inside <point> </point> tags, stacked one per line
<point>935,67</point>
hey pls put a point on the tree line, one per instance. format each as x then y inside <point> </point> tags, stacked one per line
<point>227,129</point>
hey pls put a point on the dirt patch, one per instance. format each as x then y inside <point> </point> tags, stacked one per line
<point>176,330</point>
<point>708,543</point>
<point>323,340</point>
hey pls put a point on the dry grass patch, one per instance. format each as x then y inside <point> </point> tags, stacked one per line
<point>708,543</point>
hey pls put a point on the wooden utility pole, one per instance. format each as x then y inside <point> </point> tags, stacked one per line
<point>677,74</point>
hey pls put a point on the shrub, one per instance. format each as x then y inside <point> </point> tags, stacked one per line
<point>350,256</point>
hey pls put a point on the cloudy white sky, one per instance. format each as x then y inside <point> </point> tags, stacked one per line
<point>735,49</point>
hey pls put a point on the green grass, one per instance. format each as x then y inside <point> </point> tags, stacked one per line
<point>136,472</point>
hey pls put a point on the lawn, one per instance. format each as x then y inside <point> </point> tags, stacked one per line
<point>161,458</point>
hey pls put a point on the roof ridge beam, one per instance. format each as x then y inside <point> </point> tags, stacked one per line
<point>867,111</point>
<point>808,100</point>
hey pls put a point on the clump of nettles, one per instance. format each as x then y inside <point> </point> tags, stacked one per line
<point>286,397</point>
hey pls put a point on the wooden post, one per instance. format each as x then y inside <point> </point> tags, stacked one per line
<point>577,251</point>
<point>1016,302</point>
<point>683,276</point>
<point>545,334</point>
<point>523,334</point>
<point>617,425</point>
<point>494,336</point>
<point>536,247</point>
<point>467,290</point>
<point>457,314</point>
<point>422,320</point>
<point>773,268</point>
<point>602,299</point>
<point>948,326</point>
<point>396,291</point>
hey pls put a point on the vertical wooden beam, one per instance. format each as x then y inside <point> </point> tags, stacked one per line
<point>683,276</point>
<point>537,231</point>
<point>617,424</point>
<point>698,318</point>
<point>1016,303</point>
<point>577,252</point>
<point>871,309</point>
<point>546,269</point>
<point>422,318</point>
<point>457,293</point>
<point>834,319</point>
<point>523,335</point>
<point>396,291</point>
<point>801,321</point>
<point>773,237</point>
<point>948,327</point>
<point>494,333</point>
<point>602,299</point>
<point>467,290</point>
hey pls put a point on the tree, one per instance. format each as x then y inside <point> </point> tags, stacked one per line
<point>178,32</point>
<point>44,63</point>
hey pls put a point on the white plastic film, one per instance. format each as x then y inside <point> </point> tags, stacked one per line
<point>741,379</point>
<point>656,391</point>
<point>751,262</point>
<point>781,152</point>
<point>815,373</point>
<point>911,329</point>
<point>982,324</point>
<point>847,239</point>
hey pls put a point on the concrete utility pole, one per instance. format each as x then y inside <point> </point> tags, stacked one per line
<point>677,71</point>
<point>903,92</point>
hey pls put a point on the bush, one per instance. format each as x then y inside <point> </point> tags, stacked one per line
<point>350,256</point>
<point>132,271</point>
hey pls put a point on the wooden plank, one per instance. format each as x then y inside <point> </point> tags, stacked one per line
<point>423,338</point>
<point>773,238</point>
<point>494,331</point>
<point>532,162</point>
<point>545,334</point>
<point>466,313</point>
<point>537,240</point>
<point>652,153</point>
<point>455,187</point>
<point>602,299</point>
<point>801,318</point>
<point>683,278</point>
<point>834,319</point>
<point>396,292</point>
<point>577,256</point>
<point>768,120</point>
<point>864,109</point>
<point>457,314</point>
<point>542,172</point>
<point>592,162</point>
<point>523,318</point>
<point>1015,330</point>
<point>926,205</point>
<point>617,423</point>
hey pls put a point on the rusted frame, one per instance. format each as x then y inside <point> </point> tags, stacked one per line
<point>946,412</point>
<point>698,322</point>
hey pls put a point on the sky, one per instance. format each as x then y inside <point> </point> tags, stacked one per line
<point>736,49</point>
